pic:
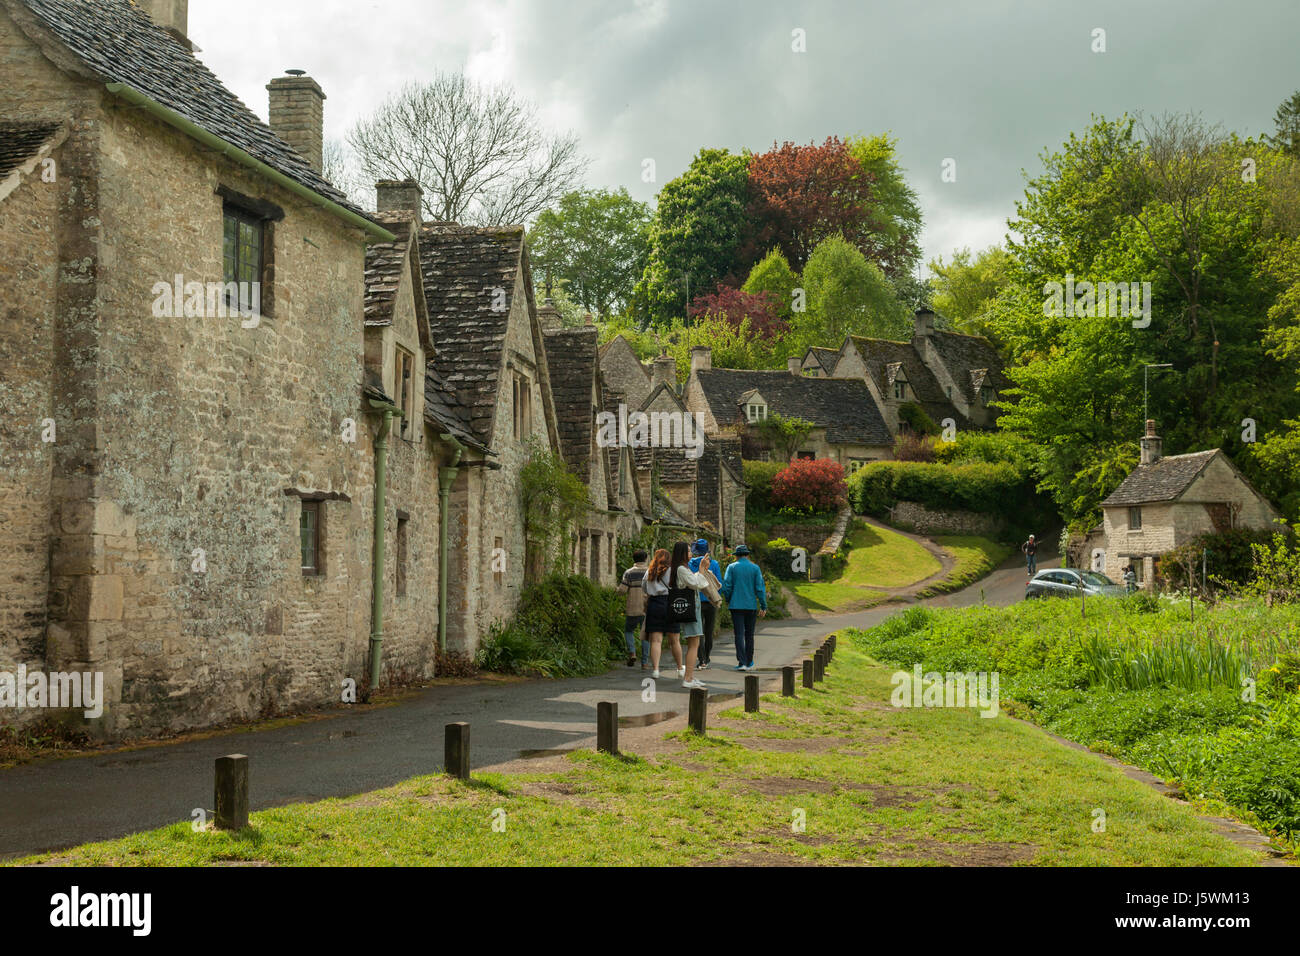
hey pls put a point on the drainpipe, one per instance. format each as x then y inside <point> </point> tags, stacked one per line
<point>377,551</point>
<point>446,476</point>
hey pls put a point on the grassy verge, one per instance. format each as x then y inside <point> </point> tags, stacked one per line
<point>870,783</point>
<point>976,557</point>
<point>882,558</point>
<point>835,597</point>
<point>1211,705</point>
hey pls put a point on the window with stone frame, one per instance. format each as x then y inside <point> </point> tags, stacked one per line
<point>404,383</point>
<point>400,547</point>
<point>987,395</point>
<point>900,388</point>
<point>756,412</point>
<point>855,464</point>
<point>246,250</point>
<point>1135,518</point>
<point>310,532</point>
<point>522,404</point>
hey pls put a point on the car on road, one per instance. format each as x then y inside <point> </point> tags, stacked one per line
<point>1065,582</point>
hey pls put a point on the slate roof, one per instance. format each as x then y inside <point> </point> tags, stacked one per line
<point>1166,480</point>
<point>970,352</point>
<point>844,407</point>
<point>385,262</point>
<point>463,266</point>
<point>121,44</point>
<point>885,359</point>
<point>441,410</point>
<point>825,357</point>
<point>571,359</point>
<point>19,142</point>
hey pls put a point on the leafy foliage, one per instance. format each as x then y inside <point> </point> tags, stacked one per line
<point>553,500</point>
<point>565,626</point>
<point>810,485</point>
<point>758,476</point>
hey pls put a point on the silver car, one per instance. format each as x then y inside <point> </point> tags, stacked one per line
<point>1065,582</point>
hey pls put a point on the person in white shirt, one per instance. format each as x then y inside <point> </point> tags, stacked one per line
<point>691,630</point>
<point>657,623</point>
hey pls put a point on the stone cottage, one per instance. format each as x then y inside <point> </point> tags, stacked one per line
<point>1167,501</point>
<point>188,450</point>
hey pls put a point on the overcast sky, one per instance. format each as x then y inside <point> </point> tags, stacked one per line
<point>988,83</point>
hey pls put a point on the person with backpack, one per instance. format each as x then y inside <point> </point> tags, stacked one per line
<point>708,610</point>
<point>746,596</point>
<point>658,620</point>
<point>687,587</point>
<point>634,608</point>
<point>1030,551</point>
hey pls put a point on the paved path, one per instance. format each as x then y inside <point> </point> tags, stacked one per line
<point>58,803</point>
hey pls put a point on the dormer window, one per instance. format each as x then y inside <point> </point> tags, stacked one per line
<point>900,388</point>
<point>987,395</point>
<point>756,412</point>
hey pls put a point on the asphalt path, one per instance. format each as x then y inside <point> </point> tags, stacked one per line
<point>57,803</point>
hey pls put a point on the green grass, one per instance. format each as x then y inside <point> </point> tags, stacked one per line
<point>886,559</point>
<point>874,784</point>
<point>834,596</point>
<point>976,557</point>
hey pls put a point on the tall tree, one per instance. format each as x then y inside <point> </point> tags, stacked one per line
<point>595,243</point>
<point>774,276</point>
<point>1286,123</point>
<point>477,151</point>
<point>847,295</point>
<point>966,288</point>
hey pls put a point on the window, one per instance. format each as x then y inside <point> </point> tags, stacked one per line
<point>404,382</point>
<point>309,534</point>
<point>855,464</point>
<point>756,412</point>
<point>593,566</point>
<point>243,251</point>
<point>900,388</point>
<point>949,391</point>
<point>807,455</point>
<point>987,395</point>
<point>523,407</point>
<point>400,556</point>
<point>1135,519</point>
<point>498,573</point>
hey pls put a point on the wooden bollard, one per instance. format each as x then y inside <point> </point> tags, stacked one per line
<point>787,681</point>
<point>830,646</point>
<point>607,726</point>
<point>699,710</point>
<point>819,667</point>
<point>456,754</point>
<point>231,792</point>
<point>751,694</point>
<point>807,673</point>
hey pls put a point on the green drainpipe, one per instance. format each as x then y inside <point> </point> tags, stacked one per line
<point>446,476</point>
<point>377,551</point>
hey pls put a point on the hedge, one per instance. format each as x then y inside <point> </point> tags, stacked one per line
<point>977,486</point>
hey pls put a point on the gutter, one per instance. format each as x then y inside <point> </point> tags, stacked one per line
<point>231,151</point>
<point>377,549</point>
<point>446,476</point>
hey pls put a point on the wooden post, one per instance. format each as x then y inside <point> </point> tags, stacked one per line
<point>698,710</point>
<point>807,673</point>
<point>819,666</point>
<point>607,726</point>
<point>751,694</point>
<point>456,760</point>
<point>231,792</point>
<point>787,681</point>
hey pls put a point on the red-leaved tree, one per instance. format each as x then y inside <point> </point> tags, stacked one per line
<point>761,308</point>
<point>810,484</point>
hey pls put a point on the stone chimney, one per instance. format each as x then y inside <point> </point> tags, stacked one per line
<point>172,15</point>
<point>664,373</point>
<point>399,195</point>
<point>795,365</point>
<point>701,358</point>
<point>923,323</point>
<point>548,315</point>
<point>298,114</point>
<point>1152,445</point>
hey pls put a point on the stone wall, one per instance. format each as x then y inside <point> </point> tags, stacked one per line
<point>918,518</point>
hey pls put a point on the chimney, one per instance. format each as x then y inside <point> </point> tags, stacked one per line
<point>701,358</point>
<point>665,373</point>
<point>172,15</point>
<point>549,316</point>
<point>399,195</point>
<point>298,114</point>
<point>924,323</point>
<point>795,365</point>
<point>1152,445</point>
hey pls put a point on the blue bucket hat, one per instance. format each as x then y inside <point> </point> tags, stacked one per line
<point>700,547</point>
<point>740,549</point>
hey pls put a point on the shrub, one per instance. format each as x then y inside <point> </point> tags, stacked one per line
<point>810,485</point>
<point>914,417</point>
<point>911,447</point>
<point>1230,561</point>
<point>758,475</point>
<point>565,626</point>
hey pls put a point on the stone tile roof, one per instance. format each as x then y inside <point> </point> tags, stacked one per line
<point>844,407</point>
<point>441,410</point>
<point>19,142</point>
<point>885,359</point>
<point>825,357</point>
<point>970,352</point>
<point>121,44</point>
<point>463,269</point>
<point>1165,480</point>
<point>571,358</point>
<point>384,264</point>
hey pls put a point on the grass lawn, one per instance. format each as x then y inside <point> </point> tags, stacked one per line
<point>886,559</point>
<point>975,556</point>
<point>872,784</point>
<point>834,596</point>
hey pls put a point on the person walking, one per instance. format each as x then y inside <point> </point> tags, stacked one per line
<point>746,596</point>
<point>692,631</point>
<point>708,610</point>
<point>657,623</point>
<point>634,608</point>
<point>1130,579</point>
<point>1030,551</point>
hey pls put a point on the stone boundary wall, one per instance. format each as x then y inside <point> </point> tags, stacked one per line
<point>916,517</point>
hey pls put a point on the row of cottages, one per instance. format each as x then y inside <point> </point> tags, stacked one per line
<point>1167,501</point>
<point>257,442</point>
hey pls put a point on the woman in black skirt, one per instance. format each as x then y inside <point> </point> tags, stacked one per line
<point>657,624</point>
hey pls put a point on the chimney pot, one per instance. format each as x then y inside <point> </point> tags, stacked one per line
<point>923,323</point>
<point>297,115</point>
<point>171,15</point>
<point>399,195</point>
<point>1152,445</point>
<point>701,358</point>
<point>794,365</point>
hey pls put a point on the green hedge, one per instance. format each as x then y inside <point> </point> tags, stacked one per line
<point>758,475</point>
<point>1229,561</point>
<point>978,486</point>
<point>565,626</point>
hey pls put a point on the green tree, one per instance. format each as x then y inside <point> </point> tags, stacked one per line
<point>966,288</point>
<point>596,243</point>
<point>694,233</point>
<point>1286,122</point>
<point>846,294</point>
<point>897,208</point>
<point>773,274</point>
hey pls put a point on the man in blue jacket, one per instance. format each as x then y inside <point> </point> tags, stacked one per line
<point>742,587</point>
<point>708,613</point>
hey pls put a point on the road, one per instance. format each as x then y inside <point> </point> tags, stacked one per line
<point>52,804</point>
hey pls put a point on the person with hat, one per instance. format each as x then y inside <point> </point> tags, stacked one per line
<point>746,596</point>
<point>708,611</point>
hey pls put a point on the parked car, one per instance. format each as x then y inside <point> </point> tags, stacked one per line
<point>1064,582</point>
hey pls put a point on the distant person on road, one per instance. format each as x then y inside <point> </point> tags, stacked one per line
<point>709,613</point>
<point>657,623</point>
<point>746,596</point>
<point>634,609</point>
<point>1130,579</point>
<point>1030,549</point>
